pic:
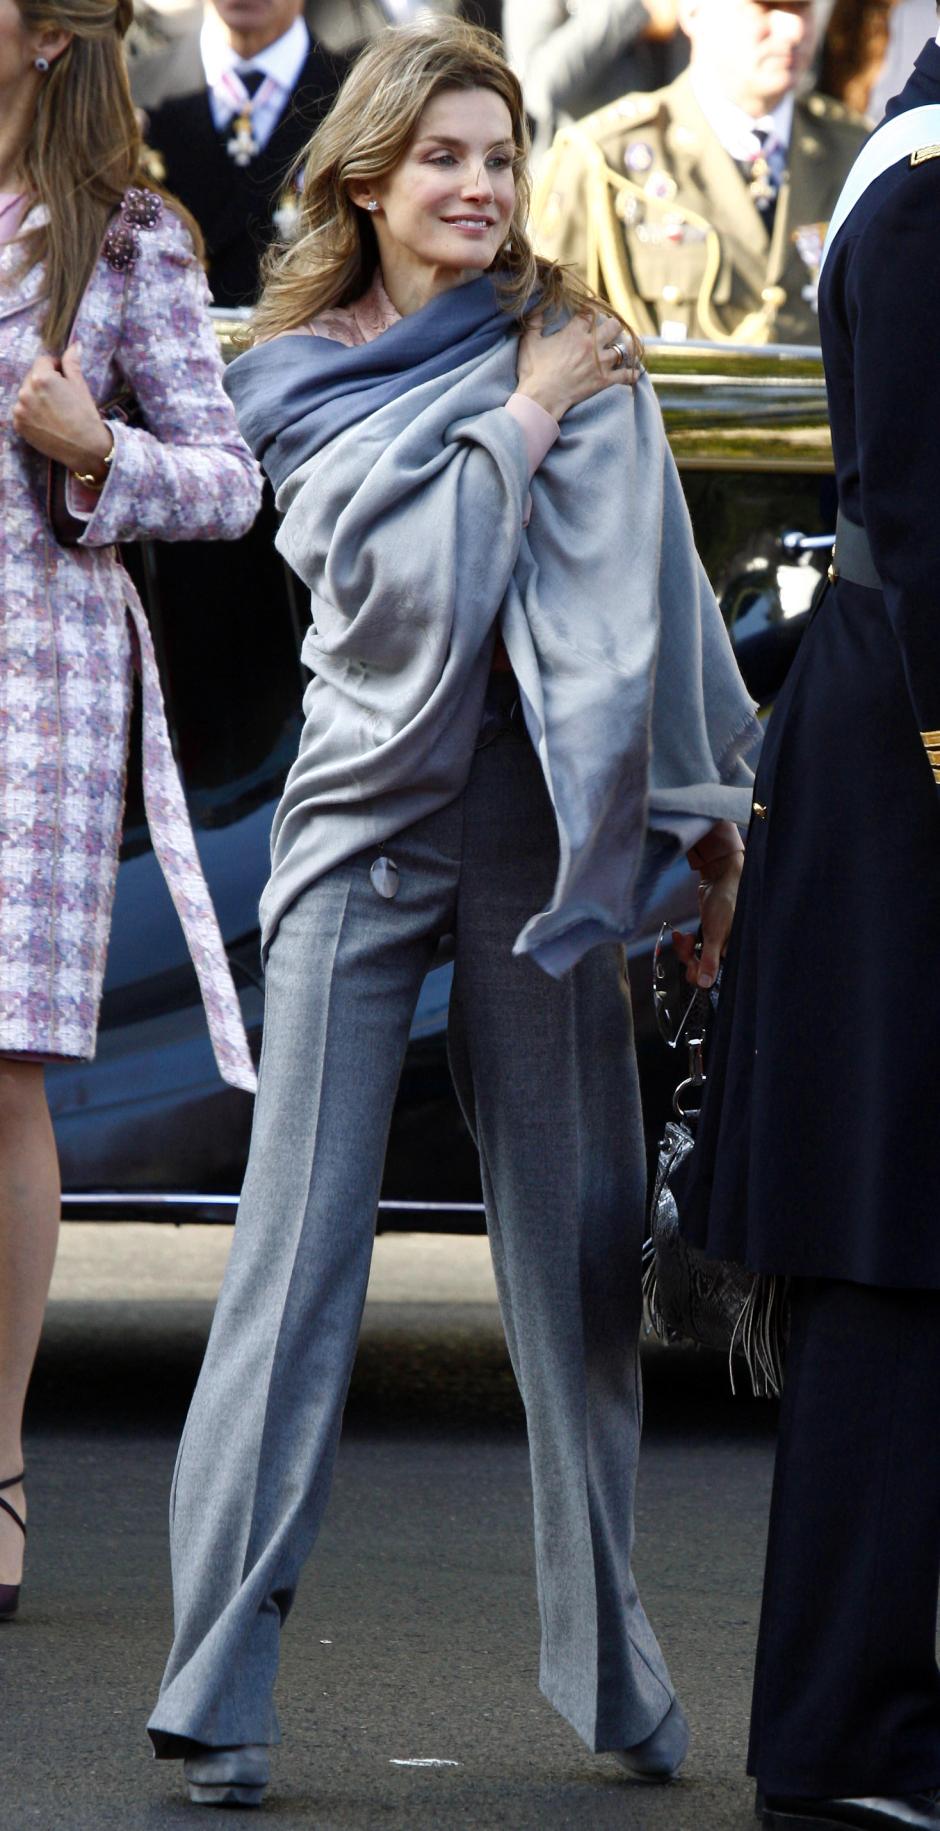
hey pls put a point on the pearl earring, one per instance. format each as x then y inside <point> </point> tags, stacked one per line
<point>372,206</point>
<point>41,64</point>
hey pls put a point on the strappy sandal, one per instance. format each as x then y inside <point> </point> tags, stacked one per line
<point>10,1592</point>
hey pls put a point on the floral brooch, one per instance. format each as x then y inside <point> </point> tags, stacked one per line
<point>139,210</point>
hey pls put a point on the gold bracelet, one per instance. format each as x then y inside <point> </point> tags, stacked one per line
<point>88,478</point>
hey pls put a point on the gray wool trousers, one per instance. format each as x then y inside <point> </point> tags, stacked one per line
<point>546,1076</point>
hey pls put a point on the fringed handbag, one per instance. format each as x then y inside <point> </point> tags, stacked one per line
<point>686,1296</point>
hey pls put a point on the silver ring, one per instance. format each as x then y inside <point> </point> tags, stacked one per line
<point>621,352</point>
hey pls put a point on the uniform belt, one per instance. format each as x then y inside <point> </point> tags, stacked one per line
<point>851,555</point>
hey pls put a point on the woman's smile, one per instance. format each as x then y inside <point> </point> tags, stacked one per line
<point>469,225</point>
<point>445,211</point>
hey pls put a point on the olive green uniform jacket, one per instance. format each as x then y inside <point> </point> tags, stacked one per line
<point>644,200</point>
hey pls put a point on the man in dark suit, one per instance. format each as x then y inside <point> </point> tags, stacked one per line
<point>229,106</point>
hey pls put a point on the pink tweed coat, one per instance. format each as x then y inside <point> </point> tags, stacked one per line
<point>72,631</point>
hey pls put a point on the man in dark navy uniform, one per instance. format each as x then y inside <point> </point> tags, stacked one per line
<point>818,1153</point>
<point>847,1701</point>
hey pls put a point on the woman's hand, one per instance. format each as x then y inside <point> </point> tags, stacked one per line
<point>588,354</point>
<point>55,413</point>
<point>719,860</point>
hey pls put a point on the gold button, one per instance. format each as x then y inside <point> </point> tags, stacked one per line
<point>774,295</point>
<point>831,574</point>
<point>759,811</point>
<point>671,295</point>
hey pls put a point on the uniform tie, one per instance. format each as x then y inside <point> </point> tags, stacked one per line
<point>763,173</point>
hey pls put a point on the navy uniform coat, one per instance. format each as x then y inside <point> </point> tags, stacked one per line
<point>819,1146</point>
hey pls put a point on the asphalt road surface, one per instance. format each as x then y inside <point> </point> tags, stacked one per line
<point>414,1639</point>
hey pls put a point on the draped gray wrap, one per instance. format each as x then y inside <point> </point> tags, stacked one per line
<point>407,526</point>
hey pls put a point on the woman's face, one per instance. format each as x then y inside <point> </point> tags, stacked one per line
<point>16,47</point>
<point>18,52</point>
<point>448,205</point>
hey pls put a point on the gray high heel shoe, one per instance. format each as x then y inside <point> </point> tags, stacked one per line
<point>661,1754</point>
<point>228,1776</point>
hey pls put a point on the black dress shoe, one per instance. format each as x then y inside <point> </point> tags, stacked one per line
<point>910,1812</point>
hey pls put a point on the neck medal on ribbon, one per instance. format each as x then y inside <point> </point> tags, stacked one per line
<point>242,146</point>
<point>247,91</point>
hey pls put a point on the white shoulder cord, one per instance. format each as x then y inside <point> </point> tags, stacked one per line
<point>904,134</point>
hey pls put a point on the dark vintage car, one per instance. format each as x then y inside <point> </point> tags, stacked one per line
<point>148,1129</point>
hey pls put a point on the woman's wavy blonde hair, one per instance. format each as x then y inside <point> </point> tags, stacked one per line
<point>83,149</point>
<point>365,135</point>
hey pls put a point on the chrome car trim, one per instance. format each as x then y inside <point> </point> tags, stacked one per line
<point>173,1199</point>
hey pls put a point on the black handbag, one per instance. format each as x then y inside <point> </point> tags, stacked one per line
<point>688,1298</point>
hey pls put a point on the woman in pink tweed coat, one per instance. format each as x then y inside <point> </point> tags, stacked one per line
<point>99,282</point>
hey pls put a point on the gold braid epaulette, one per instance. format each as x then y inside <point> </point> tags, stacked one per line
<point>931,742</point>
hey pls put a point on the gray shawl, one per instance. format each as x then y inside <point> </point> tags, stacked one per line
<point>407,526</point>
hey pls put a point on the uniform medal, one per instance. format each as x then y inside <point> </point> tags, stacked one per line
<point>638,158</point>
<point>760,182</point>
<point>809,239</point>
<point>246,94</point>
<point>286,215</point>
<point>242,146</point>
<point>762,167</point>
<point>660,186</point>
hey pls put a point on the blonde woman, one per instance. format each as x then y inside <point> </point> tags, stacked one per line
<point>507,607</point>
<point>99,286</point>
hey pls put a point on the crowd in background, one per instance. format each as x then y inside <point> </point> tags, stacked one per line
<point>685,179</point>
<point>574,55</point>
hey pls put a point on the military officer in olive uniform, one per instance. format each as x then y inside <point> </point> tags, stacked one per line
<point>700,210</point>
